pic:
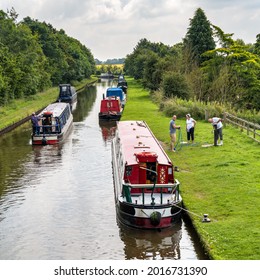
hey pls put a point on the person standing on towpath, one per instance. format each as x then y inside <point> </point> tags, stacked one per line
<point>173,128</point>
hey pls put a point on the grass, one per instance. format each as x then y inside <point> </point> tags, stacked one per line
<point>22,108</point>
<point>221,181</point>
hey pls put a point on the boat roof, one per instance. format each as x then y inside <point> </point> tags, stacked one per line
<point>56,108</point>
<point>135,137</point>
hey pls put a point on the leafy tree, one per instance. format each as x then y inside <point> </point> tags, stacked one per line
<point>257,45</point>
<point>175,85</point>
<point>241,68</point>
<point>199,37</point>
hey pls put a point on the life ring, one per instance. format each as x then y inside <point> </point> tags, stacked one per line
<point>47,113</point>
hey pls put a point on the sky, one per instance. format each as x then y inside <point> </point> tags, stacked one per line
<point>112,28</point>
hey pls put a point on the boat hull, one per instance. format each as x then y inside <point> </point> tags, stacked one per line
<point>150,218</point>
<point>108,116</point>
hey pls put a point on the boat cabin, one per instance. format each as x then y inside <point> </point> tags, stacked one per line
<point>67,93</point>
<point>110,108</point>
<point>117,92</point>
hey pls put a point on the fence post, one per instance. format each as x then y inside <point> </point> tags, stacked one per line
<point>224,118</point>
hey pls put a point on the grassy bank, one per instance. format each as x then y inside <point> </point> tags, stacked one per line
<point>221,181</point>
<point>22,108</point>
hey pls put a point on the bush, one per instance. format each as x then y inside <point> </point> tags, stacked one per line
<point>175,85</point>
<point>198,110</point>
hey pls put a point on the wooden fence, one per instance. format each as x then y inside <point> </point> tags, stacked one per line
<point>252,129</point>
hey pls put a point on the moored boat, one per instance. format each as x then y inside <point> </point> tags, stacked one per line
<point>122,83</point>
<point>52,124</point>
<point>110,108</point>
<point>146,191</point>
<point>67,93</point>
<point>118,92</point>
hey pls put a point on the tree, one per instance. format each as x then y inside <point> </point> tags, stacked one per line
<point>175,85</point>
<point>237,67</point>
<point>199,38</point>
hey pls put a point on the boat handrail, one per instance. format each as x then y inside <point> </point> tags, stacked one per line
<point>147,186</point>
<point>50,129</point>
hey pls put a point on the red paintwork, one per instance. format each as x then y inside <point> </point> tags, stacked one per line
<point>109,105</point>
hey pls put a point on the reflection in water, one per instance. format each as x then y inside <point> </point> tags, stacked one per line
<point>108,129</point>
<point>14,151</point>
<point>86,99</point>
<point>150,244</point>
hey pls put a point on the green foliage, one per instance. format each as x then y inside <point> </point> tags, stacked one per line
<point>234,72</point>
<point>34,56</point>
<point>175,85</point>
<point>149,61</point>
<point>199,37</point>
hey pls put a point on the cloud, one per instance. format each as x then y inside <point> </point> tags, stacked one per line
<point>112,28</point>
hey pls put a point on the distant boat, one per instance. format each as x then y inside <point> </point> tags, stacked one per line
<point>54,123</point>
<point>106,76</point>
<point>122,83</point>
<point>67,93</point>
<point>147,194</point>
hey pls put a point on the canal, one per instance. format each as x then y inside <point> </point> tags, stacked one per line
<point>57,202</point>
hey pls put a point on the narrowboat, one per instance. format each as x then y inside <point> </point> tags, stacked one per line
<point>67,93</point>
<point>147,194</point>
<point>52,124</point>
<point>107,75</point>
<point>110,108</point>
<point>118,92</point>
<point>122,83</point>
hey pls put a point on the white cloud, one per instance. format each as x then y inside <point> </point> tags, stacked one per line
<point>112,28</point>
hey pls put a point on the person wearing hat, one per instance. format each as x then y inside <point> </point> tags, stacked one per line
<point>35,124</point>
<point>190,126</point>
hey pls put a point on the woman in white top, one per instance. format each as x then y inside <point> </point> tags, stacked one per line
<point>190,126</point>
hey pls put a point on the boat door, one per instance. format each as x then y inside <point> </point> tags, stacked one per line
<point>147,167</point>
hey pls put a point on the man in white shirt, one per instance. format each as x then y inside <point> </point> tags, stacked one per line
<point>217,125</point>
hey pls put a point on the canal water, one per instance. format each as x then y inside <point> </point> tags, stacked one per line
<point>57,202</point>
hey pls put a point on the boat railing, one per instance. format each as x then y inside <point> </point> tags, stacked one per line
<point>172,188</point>
<point>48,129</point>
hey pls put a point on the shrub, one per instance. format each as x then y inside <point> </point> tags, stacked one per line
<point>175,85</point>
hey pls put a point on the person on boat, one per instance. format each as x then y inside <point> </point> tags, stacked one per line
<point>47,124</point>
<point>35,123</point>
<point>190,126</point>
<point>173,128</point>
<point>217,125</point>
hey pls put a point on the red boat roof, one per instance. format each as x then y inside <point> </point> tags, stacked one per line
<point>136,137</point>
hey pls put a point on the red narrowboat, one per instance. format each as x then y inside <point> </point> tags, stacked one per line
<point>110,108</point>
<point>146,192</point>
<point>52,124</point>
